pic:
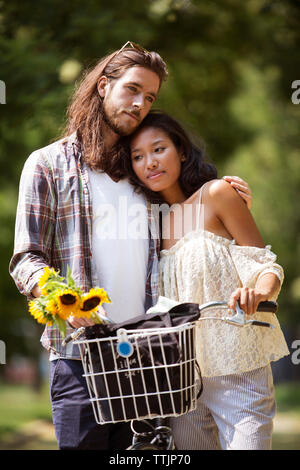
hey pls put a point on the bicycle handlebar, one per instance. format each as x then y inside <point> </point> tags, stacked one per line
<point>238,319</point>
<point>267,306</point>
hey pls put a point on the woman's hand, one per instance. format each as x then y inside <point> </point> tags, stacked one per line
<point>241,187</point>
<point>248,299</point>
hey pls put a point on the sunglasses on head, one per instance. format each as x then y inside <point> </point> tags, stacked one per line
<point>132,45</point>
<point>128,45</point>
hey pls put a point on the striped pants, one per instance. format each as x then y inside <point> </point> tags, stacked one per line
<point>234,412</point>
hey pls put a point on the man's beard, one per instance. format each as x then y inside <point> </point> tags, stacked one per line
<point>112,126</point>
<point>119,129</point>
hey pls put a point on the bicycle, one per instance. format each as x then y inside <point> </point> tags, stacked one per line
<point>128,382</point>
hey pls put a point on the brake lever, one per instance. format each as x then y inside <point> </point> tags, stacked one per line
<point>73,336</point>
<point>239,319</point>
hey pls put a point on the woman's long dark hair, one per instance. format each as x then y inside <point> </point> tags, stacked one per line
<point>195,170</point>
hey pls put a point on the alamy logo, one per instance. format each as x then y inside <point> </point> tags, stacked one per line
<point>2,92</point>
<point>296,354</point>
<point>296,94</point>
<point>2,352</point>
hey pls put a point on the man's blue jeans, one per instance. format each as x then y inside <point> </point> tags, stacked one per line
<point>73,417</point>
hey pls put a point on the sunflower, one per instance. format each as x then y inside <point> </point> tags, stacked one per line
<point>67,301</point>
<point>48,273</point>
<point>36,310</point>
<point>52,307</point>
<point>92,300</point>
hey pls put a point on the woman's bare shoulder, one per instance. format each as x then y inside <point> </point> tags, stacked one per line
<point>212,188</point>
<point>219,187</point>
<point>221,191</point>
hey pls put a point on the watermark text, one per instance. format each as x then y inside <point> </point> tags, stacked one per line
<point>296,354</point>
<point>296,94</point>
<point>2,352</point>
<point>2,92</point>
<point>132,221</point>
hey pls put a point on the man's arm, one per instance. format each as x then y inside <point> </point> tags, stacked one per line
<point>35,229</point>
<point>35,222</point>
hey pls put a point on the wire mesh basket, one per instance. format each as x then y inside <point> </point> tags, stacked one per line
<point>141,373</point>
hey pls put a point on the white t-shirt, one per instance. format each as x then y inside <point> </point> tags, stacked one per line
<point>120,244</point>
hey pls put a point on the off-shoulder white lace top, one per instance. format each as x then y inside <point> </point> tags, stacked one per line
<point>203,267</point>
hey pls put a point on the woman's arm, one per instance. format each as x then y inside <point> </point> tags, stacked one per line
<point>233,213</point>
<point>242,188</point>
<point>235,216</point>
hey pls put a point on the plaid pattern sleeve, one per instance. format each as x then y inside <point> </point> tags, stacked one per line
<point>53,225</point>
<point>35,223</point>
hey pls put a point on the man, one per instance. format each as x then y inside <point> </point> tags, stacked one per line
<point>59,221</point>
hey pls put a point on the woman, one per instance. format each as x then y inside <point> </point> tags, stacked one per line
<point>219,255</point>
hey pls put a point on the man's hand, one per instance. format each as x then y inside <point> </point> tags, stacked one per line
<point>36,291</point>
<point>78,322</point>
<point>241,187</point>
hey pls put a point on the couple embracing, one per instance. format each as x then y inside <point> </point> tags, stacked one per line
<point>115,147</point>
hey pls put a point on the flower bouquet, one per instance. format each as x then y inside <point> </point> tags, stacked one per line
<point>61,298</point>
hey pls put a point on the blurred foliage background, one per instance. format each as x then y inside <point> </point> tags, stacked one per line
<point>231,68</point>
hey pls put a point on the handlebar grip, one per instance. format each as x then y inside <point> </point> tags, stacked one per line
<point>261,323</point>
<point>267,306</point>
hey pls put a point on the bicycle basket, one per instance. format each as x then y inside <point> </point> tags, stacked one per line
<point>158,377</point>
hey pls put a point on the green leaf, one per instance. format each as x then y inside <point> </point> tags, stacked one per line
<point>61,324</point>
<point>51,285</point>
<point>70,280</point>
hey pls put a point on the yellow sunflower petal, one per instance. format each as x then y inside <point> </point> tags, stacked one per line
<point>47,272</point>
<point>67,301</point>
<point>37,312</point>
<point>52,307</point>
<point>92,300</point>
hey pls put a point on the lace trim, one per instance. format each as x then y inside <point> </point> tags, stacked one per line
<point>207,234</point>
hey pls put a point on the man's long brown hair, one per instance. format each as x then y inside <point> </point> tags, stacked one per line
<point>85,113</point>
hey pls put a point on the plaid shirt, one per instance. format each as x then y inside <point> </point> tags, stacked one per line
<point>54,228</point>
